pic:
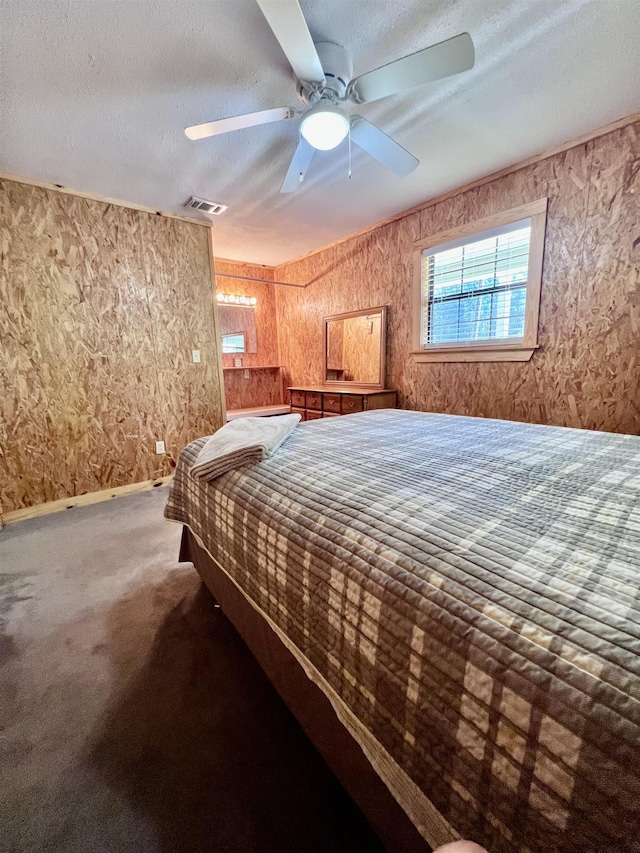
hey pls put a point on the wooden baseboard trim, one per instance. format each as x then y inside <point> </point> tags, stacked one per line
<point>83,500</point>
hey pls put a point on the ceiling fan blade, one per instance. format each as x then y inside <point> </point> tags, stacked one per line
<point>432,63</point>
<point>224,125</point>
<point>384,149</point>
<point>290,28</point>
<point>298,166</point>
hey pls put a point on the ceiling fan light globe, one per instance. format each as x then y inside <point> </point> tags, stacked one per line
<point>324,129</point>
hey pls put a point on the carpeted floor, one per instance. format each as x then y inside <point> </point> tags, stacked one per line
<point>132,717</point>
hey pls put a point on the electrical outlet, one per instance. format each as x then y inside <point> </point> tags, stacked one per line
<point>159,446</point>
<point>246,374</point>
<point>195,355</point>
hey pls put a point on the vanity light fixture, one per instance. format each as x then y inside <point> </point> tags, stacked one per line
<point>234,299</point>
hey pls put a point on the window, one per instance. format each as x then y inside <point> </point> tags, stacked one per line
<point>233,343</point>
<point>479,289</point>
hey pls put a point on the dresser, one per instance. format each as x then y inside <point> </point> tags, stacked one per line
<point>325,402</point>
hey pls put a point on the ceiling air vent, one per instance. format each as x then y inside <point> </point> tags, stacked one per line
<point>205,206</point>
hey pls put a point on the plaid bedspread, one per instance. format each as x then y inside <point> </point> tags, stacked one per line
<point>466,592</point>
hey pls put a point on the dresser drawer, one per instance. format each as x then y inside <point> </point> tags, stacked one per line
<point>313,400</point>
<point>297,399</point>
<point>312,415</point>
<point>301,412</point>
<point>331,414</point>
<point>352,403</point>
<point>331,403</point>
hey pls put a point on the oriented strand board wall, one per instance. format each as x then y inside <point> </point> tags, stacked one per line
<point>263,387</point>
<point>586,372</point>
<point>100,307</point>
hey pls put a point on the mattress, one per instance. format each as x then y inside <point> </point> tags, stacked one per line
<point>465,592</point>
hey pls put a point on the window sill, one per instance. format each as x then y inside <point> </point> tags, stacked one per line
<point>474,353</point>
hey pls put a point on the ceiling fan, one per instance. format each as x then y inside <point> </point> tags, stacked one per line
<point>323,80</point>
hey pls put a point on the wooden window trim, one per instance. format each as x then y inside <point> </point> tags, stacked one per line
<point>536,211</point>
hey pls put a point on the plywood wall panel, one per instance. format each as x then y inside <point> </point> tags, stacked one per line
<point>100,307</point>
<point>263,388</point>
<point>265,310</point>
<point>585,373</point>
<point>610,315</point>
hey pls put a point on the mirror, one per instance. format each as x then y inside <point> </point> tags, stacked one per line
<point>355,348</point>
<point>238,328</point>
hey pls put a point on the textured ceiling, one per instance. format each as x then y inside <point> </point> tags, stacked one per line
<point>95,96</point>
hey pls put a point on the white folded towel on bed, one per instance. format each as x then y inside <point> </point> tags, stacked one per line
<point>242,442</point>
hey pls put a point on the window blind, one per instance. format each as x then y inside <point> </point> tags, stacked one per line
<point>476,291</point>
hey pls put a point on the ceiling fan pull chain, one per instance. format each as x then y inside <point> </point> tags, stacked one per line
<point>349,150</point>
<point>300,176</point>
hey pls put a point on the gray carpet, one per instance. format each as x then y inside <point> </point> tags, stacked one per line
<point>132,717</point>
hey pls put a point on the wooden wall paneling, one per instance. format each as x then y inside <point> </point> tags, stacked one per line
<point>216,325</point>
<point>177,331</point>
<point>128,205</point>
<point>545,392</point>
<point>300,333</point>
<point>99,308</point>
<point>608,297</point>
<point>288,333</point>
<point>266,330</point>
<point>585,372</point>
<point>336,285</point>
<point>263,387</point>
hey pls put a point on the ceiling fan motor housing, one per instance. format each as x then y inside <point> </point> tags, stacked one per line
<point>338,70</point>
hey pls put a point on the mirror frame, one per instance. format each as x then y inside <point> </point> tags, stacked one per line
<point>342,383</point>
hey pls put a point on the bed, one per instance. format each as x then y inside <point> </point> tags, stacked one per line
<point>451,607</point>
